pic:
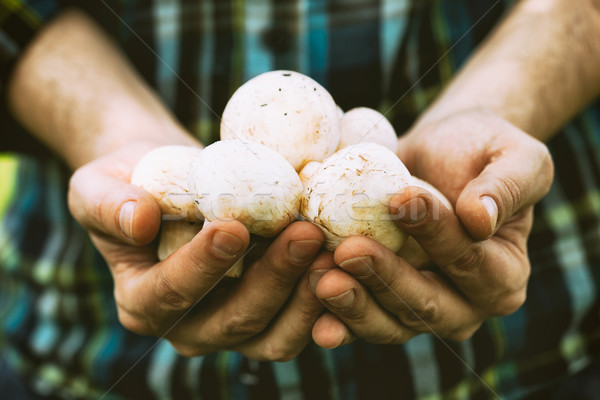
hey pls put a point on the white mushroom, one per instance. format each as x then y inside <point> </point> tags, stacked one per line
<point>163,172</point>
<point>308,171</point>
<point>286,111</point>
<point>362,124</point>
<point>349,195</point>
<point>248,182</point>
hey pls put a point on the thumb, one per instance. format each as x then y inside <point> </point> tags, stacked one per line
<point>516,179</point>
<point>108,204</point>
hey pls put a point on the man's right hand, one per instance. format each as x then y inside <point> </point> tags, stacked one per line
<point>267,314</point>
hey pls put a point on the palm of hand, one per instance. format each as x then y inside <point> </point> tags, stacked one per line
<point>476,160</point>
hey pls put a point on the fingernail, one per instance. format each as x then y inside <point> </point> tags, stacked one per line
<point>413,211</point>
<point>225,244</point>
<point>491,208</point>
<point>303,251</point>
<point>342,301</point>
<point>315,276</point>
<point>358,266</point>
<point>126,218</point>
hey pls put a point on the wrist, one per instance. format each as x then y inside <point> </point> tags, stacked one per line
<point>131,126</point>
<point>132,134</point>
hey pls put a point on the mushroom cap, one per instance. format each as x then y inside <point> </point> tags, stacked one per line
<point>363,124</point>
<point>286,111</point>
<point>349,195</point>
<point>308,171</point>
<point>248,182</point>
<point>163,172</point>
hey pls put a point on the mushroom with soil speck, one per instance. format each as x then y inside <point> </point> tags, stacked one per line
<point>308,171</point>
<point>349,195</point>
<point>248,182</point>
<point>286,111</point>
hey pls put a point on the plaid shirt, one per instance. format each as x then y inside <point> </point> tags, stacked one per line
<point>58,318</point>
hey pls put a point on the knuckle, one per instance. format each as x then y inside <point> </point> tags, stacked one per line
<point>429,229</point>
<point>278,352</point>
<point>422,315</point>
<point>133,324</point>
<point>282,275</point>
<point>467,261</point>
<point>376,284</point>
<point>511,192</point>
<point>168,296</point>
<point>508,304</point>
<point>355,313</point>
<point>239,325</point>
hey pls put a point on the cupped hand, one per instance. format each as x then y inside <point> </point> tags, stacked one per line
<point>492,173</point>
<point>267,314</point>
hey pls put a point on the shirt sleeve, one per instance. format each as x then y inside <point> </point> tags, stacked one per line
<point>20,20</point>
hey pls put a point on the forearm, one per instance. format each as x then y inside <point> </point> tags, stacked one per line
<point>75,91</point>
<point>539,67</point>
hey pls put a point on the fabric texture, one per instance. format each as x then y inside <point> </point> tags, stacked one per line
<point>20,20</point>
<point>58,317</point>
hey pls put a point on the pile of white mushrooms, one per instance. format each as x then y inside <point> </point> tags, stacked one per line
<point>286,152</point>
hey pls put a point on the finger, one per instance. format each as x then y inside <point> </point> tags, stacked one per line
<point>483,271</point>
<point>519,174</point>
<point>345,297</point>
<point>330,332</point>
<point>107,204</point>
<point>159,294</point>
<point>422,301</point>
<point>290,332</point>
<point>261,293</point>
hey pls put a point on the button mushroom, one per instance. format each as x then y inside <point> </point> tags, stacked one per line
<point>363,124</point>
<point>248,182</point>
<point>286,111</point>
<point>308,171</point>
<point>349,195</point>
<point>164,173</point>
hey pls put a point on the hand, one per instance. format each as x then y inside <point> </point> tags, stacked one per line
<point>493,173</point>
<point>267,314</point>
